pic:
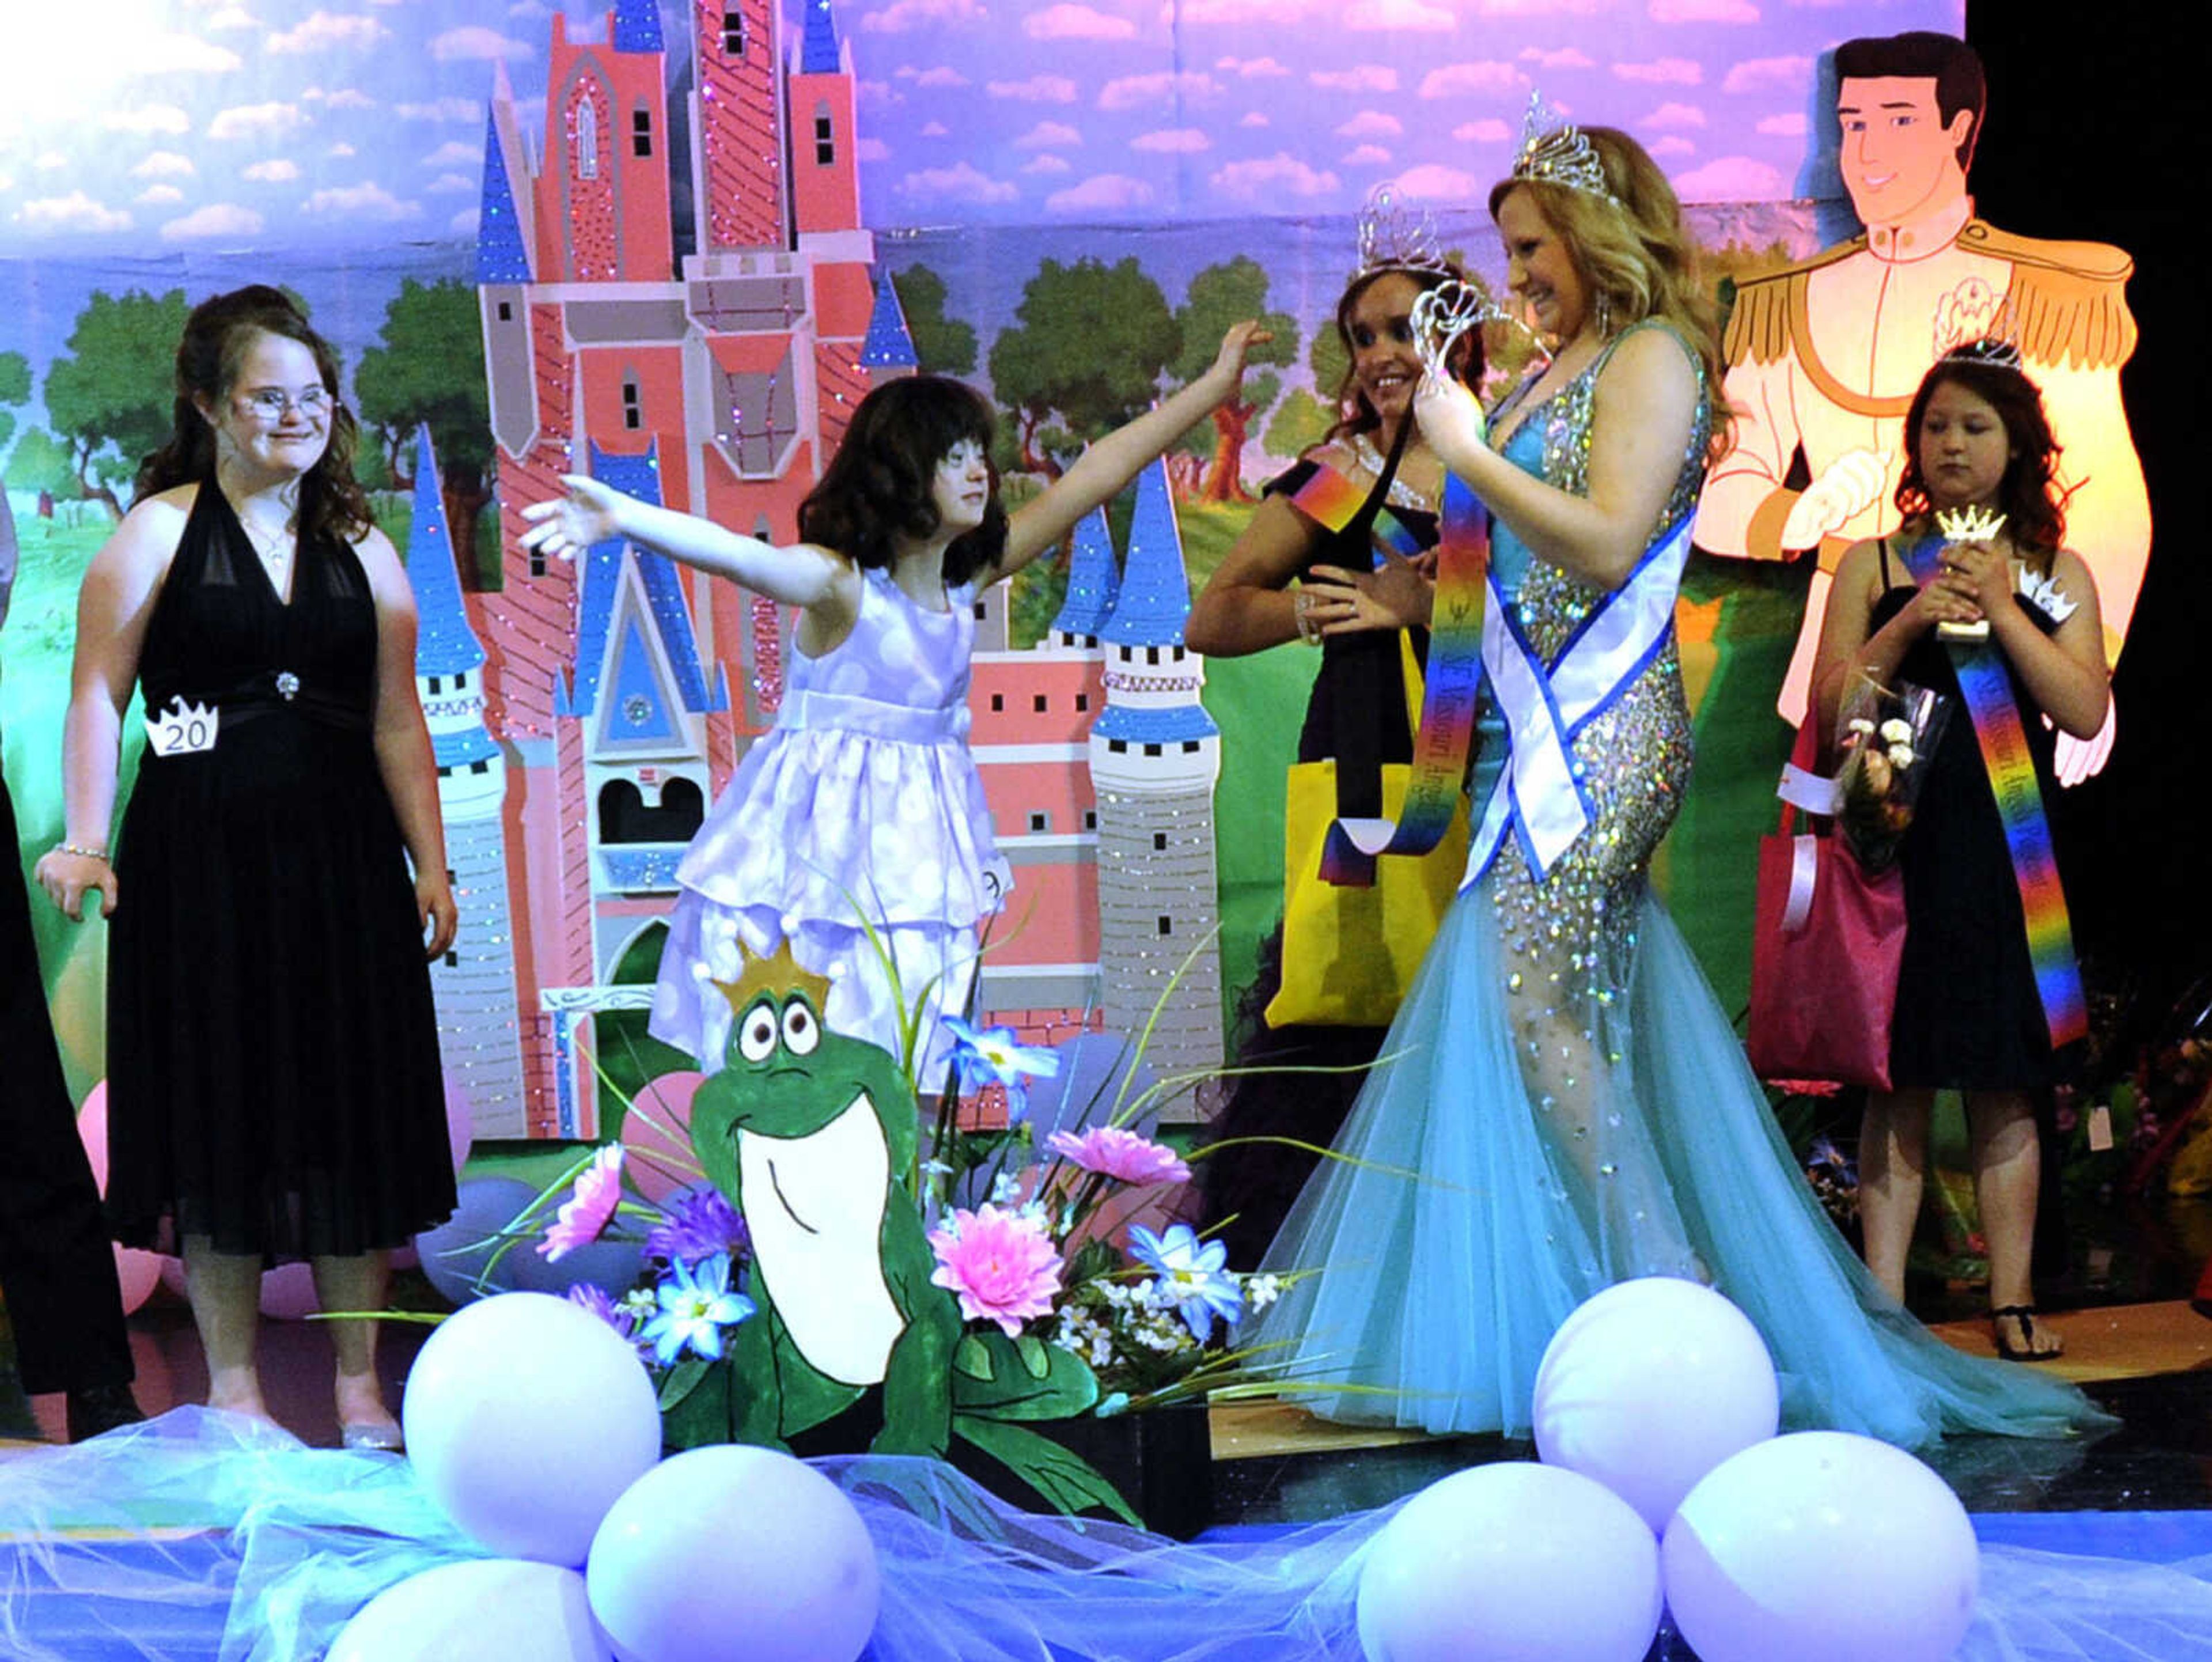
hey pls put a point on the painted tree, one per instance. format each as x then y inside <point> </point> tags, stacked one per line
<point>431,368</point>
<point>1219,296</point>
<point>14,390</point>
<point>1089,345</point>
<point>42,462</point>
<point>943,345</point>
<point>105,401</point>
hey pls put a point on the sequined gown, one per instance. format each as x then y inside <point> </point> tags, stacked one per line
<point>1568,1106</point>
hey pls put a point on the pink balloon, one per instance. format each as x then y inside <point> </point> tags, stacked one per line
<point>172,1275</point>
<point>657,1166</point>
<point>287,1292</point>
<point>137,1273</point>
<point>461,1124</point>
<point>92,1129</point>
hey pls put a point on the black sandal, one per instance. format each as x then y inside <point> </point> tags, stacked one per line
<point>2025,1314</point>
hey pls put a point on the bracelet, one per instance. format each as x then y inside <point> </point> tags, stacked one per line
<point>99,855</point>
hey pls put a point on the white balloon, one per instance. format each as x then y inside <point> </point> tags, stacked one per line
<point>1649,1385</point>
<point>525,1417</point>
<point>737,1553</point>
<point>1822,1547</point>
<point>488,1609</point>
<point>1510,1562</point>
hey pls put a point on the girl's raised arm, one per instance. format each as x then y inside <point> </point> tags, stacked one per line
<point>1111,463</point>
<point>800,574</point>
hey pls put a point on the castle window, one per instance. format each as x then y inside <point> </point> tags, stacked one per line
<point>733,33</point>
<point>452,960</point>
<point>1082,701</point>
<point>1091,641</point>
<point>507,311</point>
<point>1090,819</point>
<point>633,414</point>
<point>1125,655</point>
<point>1041,702</point>
<point>1152,749</point>
<point>434,686</point>
<point>1190,746</point>
<point>624,818</point>
<point>480,765</point>
<point>1151,654</point>
<point>587,137</point>
<point>997,701</point>
<point>1178,655</point>
<point>825,136</point>
<point>640,131</point>
<point>981,609</point>
<point>1040,821</point>
<point>1119,747</point>
<point>536,563</point>
<point>1159,841</point>
<point>1167,924</point>
<point>461,682</point>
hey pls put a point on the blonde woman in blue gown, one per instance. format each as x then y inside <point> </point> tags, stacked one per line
<point>1575,1101</point>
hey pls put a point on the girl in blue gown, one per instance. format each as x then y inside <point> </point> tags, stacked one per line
<point>1565,1105</point>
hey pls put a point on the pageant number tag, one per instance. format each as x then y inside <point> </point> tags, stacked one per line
<point>182,729</point>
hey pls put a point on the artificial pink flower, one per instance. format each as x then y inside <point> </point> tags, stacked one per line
<point>1001,1264</point>
<point>589,1205</point>
<point>1122,1156</point>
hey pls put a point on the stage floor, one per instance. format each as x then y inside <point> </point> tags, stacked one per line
<point>2151,1364</point>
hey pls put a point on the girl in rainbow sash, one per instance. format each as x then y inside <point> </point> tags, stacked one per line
<point>1564,1103</point>
<point>1974,597</point>
<point>1349,525</point>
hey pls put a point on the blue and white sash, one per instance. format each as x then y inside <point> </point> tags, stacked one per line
<point>1540,796</point>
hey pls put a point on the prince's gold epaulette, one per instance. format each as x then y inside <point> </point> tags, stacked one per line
<point>2068,300</point>
<point>1758,323</point>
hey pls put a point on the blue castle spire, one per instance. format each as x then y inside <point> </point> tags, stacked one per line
<point>1093,580</point>
<point>444,643</point>
<point>637,26</point>
<point>818,52</point>
<point>500,255</point>
<point>888,346</point>
<point>1155,594</point>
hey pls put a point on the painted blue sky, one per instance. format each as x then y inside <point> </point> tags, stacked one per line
<point>159,126</point>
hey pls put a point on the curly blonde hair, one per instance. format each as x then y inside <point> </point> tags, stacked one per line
<point>1634,254</point>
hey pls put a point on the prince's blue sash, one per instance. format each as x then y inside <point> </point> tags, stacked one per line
<point>1540,796</point>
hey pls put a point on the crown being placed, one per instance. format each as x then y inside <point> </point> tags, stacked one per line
<point>1396,237</point>
<point>779,974</point>
<point>1968,525</point>
<point>1441,314</point>
<point>1555,150</point>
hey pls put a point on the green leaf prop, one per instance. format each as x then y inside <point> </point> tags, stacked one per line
<point>997,1378</point>
<point>1060,1477</point>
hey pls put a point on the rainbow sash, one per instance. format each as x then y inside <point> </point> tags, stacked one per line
<point>1539,797</point>
<point>1334,502</point>
<point>2003,737</point>
<point>1446,734</point>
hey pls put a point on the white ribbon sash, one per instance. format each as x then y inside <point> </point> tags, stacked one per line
<point>1538,796</point>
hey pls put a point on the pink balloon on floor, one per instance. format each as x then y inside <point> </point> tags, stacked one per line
<point>287,1292</point>
<point>137,1273</point>
<point>656,1166</point>
<point>92,1130</point>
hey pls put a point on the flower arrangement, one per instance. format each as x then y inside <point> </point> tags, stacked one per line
<point>1885,736</point>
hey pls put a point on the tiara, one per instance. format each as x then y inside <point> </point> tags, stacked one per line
<point>1975,324</point>
<point>1441,314</point>
<point>1395,237</point>
<point>1555,150</point>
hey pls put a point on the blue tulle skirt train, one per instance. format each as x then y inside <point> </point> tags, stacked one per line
<point>1487,1190</point>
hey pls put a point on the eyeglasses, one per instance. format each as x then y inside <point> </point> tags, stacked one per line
<point>273,404</point>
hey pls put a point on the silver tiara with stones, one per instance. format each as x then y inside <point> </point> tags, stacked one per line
<point>1396,236</point>
<point>1555,151</point>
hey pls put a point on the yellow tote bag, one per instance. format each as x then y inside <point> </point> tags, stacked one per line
<point>1349,954</point>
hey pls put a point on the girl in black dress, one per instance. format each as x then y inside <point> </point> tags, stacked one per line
<point>1968,1013</point>
<point>273,1076</point>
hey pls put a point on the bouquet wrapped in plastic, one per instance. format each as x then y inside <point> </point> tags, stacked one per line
<point>1886,735</point>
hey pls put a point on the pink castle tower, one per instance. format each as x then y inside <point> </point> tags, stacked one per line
<point>622,689</point>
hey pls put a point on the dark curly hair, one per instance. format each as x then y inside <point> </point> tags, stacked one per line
<point>1360,416</point>
<point>877,487</point>
<point>216,338</point>
<point>2033,505</point>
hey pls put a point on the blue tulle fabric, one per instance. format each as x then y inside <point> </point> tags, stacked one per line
<point>1472,1224</point>
<point>198,1538</point>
